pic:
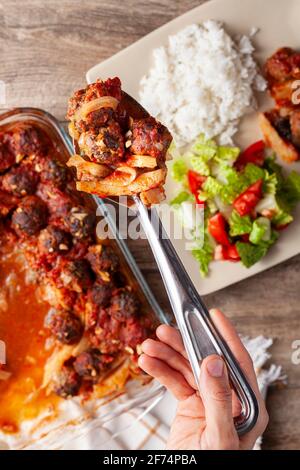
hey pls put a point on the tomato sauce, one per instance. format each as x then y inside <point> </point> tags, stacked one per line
<point>21,328</point>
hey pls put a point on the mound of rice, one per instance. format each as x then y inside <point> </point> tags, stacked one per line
<point>202,82</point>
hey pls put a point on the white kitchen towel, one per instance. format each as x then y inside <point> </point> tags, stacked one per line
<point>136,430</point>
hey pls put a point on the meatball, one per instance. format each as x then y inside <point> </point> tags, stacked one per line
<point>102,258</point>
<point>53,171</point>
<point>100,294</point>
<point>95,120</point>
<point>283,65</point>
<point>132,333</point>
<point>30,216</point>
<point>7,158</point>
<point>20,181</point>
<point>67,383</point>
<point>278,66</point>
<point>26,140</point>
<point>109,87</point>
<point>65,326</point>
<point>149,137</point>
<point>91,363</point>
<point>104,332</point>
<point>295,127</point>
<point>104,145</point>
<point>59,202</point>
<point>81,222</point>
<point>76,275</point>
<point>53,240</point>
<point>123,305</point>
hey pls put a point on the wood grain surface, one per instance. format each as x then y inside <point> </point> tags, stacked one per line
<point>45,50</point>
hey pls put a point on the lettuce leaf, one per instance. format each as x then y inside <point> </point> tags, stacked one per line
<point>200,164</point>
<point>234,183</point>
<point>250,254</point>
<point>205,147</point>
<point>253,173</point>
<point>274,169</point>
<point>179,170</point>
<point>212,206</point>
<point>227,154</point>
<point>276,204</point>
<point>211,187</point>
<point>202,152</point>
<point>182,197</point>
<point>204,255</point>
<point>270,183</point>
<point>261,230</point>
<point>287,189</point>
<point>290,192</point>
<point>282,216</point>
<point>239,225</point>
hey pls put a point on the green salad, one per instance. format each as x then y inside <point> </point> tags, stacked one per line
<point>247,200</point>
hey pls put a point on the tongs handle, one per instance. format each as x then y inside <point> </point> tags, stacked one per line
<point>199,334</point>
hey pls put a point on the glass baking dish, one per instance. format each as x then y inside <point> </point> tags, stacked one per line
<point>144,397</point>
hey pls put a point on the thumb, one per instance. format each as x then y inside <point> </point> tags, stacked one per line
<point>216,395</point>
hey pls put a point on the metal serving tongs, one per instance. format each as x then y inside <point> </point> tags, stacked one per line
<point>199,334</point>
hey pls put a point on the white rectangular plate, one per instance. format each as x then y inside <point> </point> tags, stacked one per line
<point>278,23</point>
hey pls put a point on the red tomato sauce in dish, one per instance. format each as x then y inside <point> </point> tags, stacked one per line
<point>21,328</point>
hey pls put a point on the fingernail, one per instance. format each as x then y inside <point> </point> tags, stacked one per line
<point>215,367</point>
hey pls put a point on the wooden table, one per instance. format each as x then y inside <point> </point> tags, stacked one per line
<point>46,48</point>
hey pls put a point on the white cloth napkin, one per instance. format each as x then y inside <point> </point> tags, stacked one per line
<point>135,431</point>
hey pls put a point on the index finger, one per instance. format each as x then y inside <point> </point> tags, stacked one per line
<point>234,342</point>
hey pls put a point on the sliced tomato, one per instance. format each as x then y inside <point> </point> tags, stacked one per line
<point>195,181</point>
<point>232,253</point>
<point>227,253</point>
<point>217,228</point>
<point>246,202</point>
<point>255,153</point>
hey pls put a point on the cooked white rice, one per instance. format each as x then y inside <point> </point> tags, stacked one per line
<point>202,82</point>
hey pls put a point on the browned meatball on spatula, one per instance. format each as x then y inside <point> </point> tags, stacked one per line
<point>149,137</point>
<point>104,145</point>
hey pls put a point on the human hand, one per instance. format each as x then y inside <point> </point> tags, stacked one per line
<point>202,422</point>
